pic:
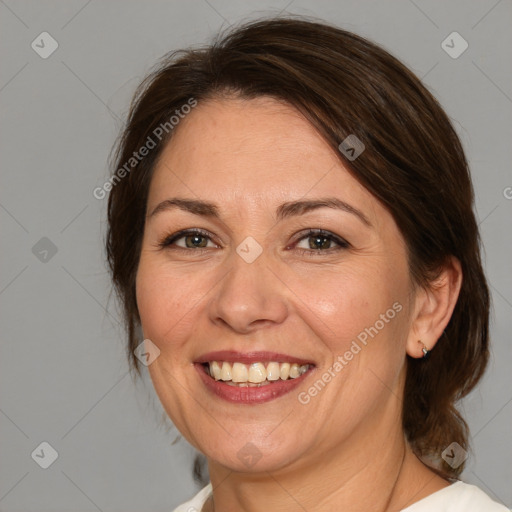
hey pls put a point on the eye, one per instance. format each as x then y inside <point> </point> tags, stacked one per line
<point>188,239</point>
<point>318,240</point>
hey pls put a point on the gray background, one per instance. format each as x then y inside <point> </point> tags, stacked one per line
<point>64,376</point>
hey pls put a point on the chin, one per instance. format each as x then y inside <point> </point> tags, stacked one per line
<point>252,457</point>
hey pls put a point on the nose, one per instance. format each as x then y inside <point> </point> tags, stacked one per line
<point>249,297</point>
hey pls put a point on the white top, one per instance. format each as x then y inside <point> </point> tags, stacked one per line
<point>457,497</point>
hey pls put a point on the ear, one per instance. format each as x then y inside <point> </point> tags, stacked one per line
<point>433,308</point>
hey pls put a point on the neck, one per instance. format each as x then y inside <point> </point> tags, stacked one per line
<point>373,471</point>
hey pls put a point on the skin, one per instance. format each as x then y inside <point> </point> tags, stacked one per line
<point>345,448</point>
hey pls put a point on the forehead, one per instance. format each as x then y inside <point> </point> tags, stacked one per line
<point>259,151</point>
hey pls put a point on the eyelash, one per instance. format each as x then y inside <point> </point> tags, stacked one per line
<point>321,233</point>
<point>168,241</point>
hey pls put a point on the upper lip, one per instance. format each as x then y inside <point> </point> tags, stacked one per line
<point>234,356</point>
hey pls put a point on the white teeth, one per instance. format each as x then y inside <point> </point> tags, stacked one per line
<point>294,371</point>
<point>225,373</point>
<point>284,370</point>
<point>215,370</point>
<point>239,373</point>
<point>255,374</point>
<point>273,372</point>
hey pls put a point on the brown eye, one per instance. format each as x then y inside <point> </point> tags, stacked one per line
<point>188,239</point>
<point>192,241</point>
<point>321,241</point>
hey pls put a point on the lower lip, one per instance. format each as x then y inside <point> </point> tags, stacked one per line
<point>246,394</point>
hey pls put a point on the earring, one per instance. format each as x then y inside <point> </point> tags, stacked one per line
<point>425,350</point>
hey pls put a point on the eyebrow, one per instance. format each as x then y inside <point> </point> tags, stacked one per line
<point>195,206</point>
<point>301,207</point>
<point>286,210</point>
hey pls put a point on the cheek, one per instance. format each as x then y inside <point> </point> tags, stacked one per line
<point>343,303</point>
<point>360,319</point>
<point>165,302</point>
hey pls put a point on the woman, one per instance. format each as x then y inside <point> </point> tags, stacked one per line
<point>291,225</point>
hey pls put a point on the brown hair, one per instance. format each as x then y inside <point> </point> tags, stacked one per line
<point>413,163</point>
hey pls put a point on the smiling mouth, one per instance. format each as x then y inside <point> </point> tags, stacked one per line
<point>255,374</point>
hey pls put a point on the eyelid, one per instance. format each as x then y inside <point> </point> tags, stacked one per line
<point>168,240</point>
<point>342,243</point>
<point>338,240</point>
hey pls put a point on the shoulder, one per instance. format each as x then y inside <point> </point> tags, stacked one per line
<point>457,497</point>
<point>197,502</point>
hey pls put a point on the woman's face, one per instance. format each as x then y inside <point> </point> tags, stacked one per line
<point>260,284</point>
